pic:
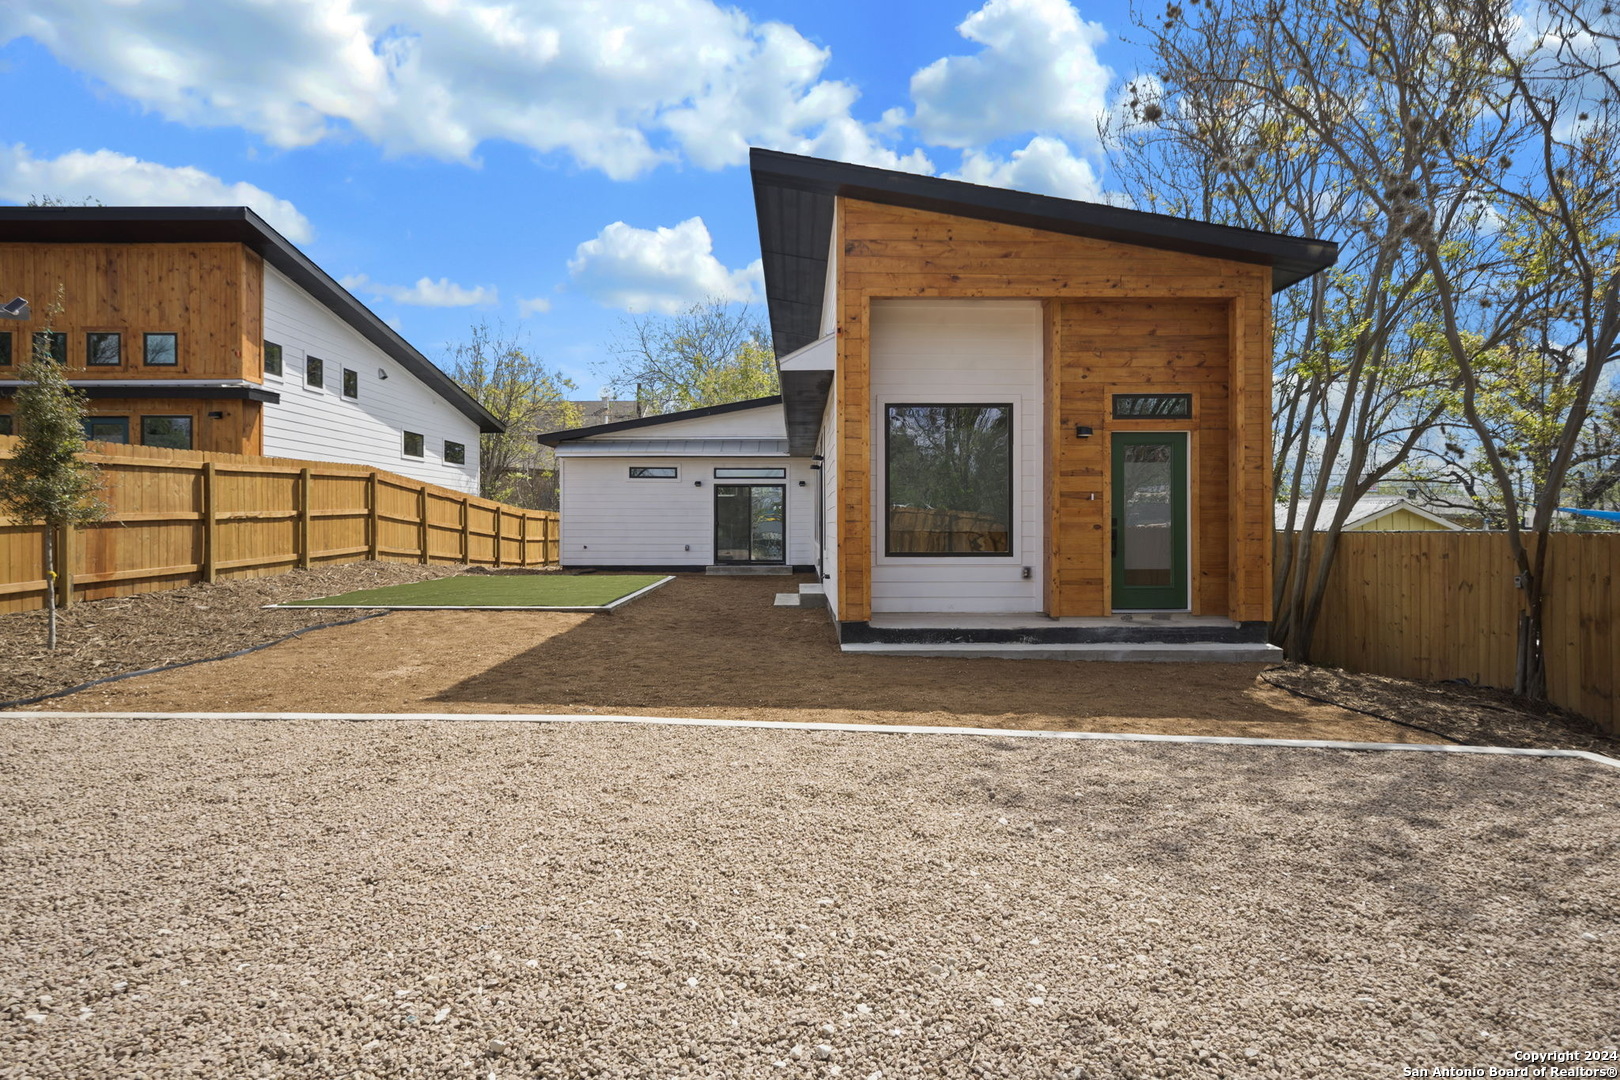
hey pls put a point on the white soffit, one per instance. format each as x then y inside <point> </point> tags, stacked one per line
<point>819,355</point>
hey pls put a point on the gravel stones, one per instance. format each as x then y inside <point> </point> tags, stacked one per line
<point>185,899</point>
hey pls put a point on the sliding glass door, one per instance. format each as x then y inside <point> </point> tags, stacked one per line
<point>750,523</point>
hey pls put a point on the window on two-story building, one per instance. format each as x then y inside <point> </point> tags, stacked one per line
<point>7,427</point>
<point>351,383</point>
<point>5,348</point>
<point>109,429</point>
<point>103,348</point>
<point>414,445</point>
<point>272,358</point>
<point>314,372</point>
<point>173,432</point>
<point>53,343</point>
<point>162,350</point>
<point>455,453</point>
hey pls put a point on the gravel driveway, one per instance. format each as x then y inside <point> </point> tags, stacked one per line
<point>319,899</point>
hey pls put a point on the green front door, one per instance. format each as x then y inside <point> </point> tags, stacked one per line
<point>1150,521</point>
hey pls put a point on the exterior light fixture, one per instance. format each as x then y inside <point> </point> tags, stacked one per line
<point>1081,431</point>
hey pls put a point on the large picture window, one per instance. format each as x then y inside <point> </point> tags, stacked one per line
<point>949,479</point>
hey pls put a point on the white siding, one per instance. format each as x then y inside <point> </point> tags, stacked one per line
<point>323,425</point>
<point>961,352</point>
<point>765,422</point>
<point>828,448</point>
<point>609,519</point>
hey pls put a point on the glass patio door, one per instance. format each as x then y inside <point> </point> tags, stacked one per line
<point>1150,521</point>
<point>750,523</point>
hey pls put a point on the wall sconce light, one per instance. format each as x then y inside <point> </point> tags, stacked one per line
<point>804,483</point>
<point>216,416</point>
<point>381,374</point>
<point>1081,431</point>
<point>697,483</point>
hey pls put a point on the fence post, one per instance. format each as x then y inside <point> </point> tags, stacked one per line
<point>498,534</point>
<point>523,540</point>
<point>422,522</point>
<point>63,538</point>
<point>304,483</point>
<point>373,547</point>
<point>466,530</point>
<point>210,524</point>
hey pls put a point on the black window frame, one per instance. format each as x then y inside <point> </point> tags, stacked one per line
<point>146,349</point>
<point>190,426</point>
<point>405,444</point>
<point>272,367</point>
<point>749,472</point>
<point>8,423</point>
<point>1183,413</point>
<point>90,337</point>
<point>58,347</point>
<point>351,384</point>
<point>88,420</point>
<point>5,348</point>
<point>457,456</point>
<point>654,472</point>
<point>1012,478</point>
<point>318,371</point>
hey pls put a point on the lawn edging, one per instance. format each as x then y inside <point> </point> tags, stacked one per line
<point>585,609</point>
<point>812,725</point>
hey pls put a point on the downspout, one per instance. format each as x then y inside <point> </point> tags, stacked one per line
<point>821,516</point>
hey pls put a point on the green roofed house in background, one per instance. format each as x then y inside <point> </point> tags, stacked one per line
<point>528,592</point>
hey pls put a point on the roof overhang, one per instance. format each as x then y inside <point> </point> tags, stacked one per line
<point>795,198</point>
<point>101,388</point>
<point>555,438</point>
<point>234,225</point>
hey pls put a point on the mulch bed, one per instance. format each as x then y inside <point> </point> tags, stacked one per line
<point>1473,715</point>
<point>134,633</point>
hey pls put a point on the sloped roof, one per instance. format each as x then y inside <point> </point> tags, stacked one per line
<point>233,225</point>
<point>713,446</point>
<point>1368,508</point>
<point>553,438</point>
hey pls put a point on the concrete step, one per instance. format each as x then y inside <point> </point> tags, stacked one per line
<point>1200,652</point>
<point>789,599</point>
<point>813,594</point>
<point>748,571</point>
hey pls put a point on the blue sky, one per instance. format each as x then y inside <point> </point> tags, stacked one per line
<point>554,165</point>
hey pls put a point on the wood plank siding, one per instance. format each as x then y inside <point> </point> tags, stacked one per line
<point>1117,319</point>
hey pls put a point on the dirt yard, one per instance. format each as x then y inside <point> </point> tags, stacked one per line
<point>227,899</point>
<point>700,647</point>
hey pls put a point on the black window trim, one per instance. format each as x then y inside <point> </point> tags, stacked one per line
<point>1114,400</point>
<point>771,472</point>
<point>58,337</point>
<point>88,420</point>
<point>89,353</point>
<point>343,389</point>
<point>674,472</point>
<point>1012,480</point>
<point>10,424</point>
<point>191,429</point>
<point>404,443</point>
<point>146,348</point>
<point>8,354</point>
<point>461,449</point>
<point>320,368</point>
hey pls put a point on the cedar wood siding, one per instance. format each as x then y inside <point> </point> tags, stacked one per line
<point>1118,318</point>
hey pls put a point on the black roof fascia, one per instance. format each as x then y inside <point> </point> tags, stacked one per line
<point>794,199</point>
<point>239,225</point>
<point>204,393</point>
<point>553,438</point>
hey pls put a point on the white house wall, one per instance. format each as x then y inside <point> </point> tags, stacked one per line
<point>967,352</point>
<point>323,425</point>
<point>608,519</point>
<point>828,449</point>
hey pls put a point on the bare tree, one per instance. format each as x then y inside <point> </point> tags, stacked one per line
<point>710,354</point>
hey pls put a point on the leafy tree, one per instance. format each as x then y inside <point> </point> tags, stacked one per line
<point>47,480</point>
<point>710,354</point>
<point>520,391</point>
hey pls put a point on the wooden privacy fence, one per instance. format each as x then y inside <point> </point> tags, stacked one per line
<point>1443,605</point>
<point>179,516</point>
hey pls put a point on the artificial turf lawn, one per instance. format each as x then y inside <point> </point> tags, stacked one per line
<point>496,590</point>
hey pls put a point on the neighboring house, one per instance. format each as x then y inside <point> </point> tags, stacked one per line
<point>202,328</point>
<point>1377,513</point>
<point>1022,408</point>
<point>687,490</point>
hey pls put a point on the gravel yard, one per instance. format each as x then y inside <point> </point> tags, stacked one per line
<point>319,899</point>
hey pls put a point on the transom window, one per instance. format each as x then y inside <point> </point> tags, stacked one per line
<point>1152,406</point>
<point>103,349</point>
<point>750,474</point>
<point>654,472</point>
<point>162,350</point>
<point>948,479</point>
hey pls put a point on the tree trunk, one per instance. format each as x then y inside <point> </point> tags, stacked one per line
<point>50,586</point>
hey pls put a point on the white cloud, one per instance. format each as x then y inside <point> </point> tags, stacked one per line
<point>1046,166</point>
<point>538,305</point>
<point>618,87</point>
<point>664,269</point>
<point>1037,72</point>
<point>425,293</point>
<point>115,179</point>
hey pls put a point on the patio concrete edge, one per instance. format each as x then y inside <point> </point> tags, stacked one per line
<point>597,609</point>
<point>808,725</point>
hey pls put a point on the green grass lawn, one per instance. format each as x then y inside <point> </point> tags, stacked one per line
<point>496,590</point>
